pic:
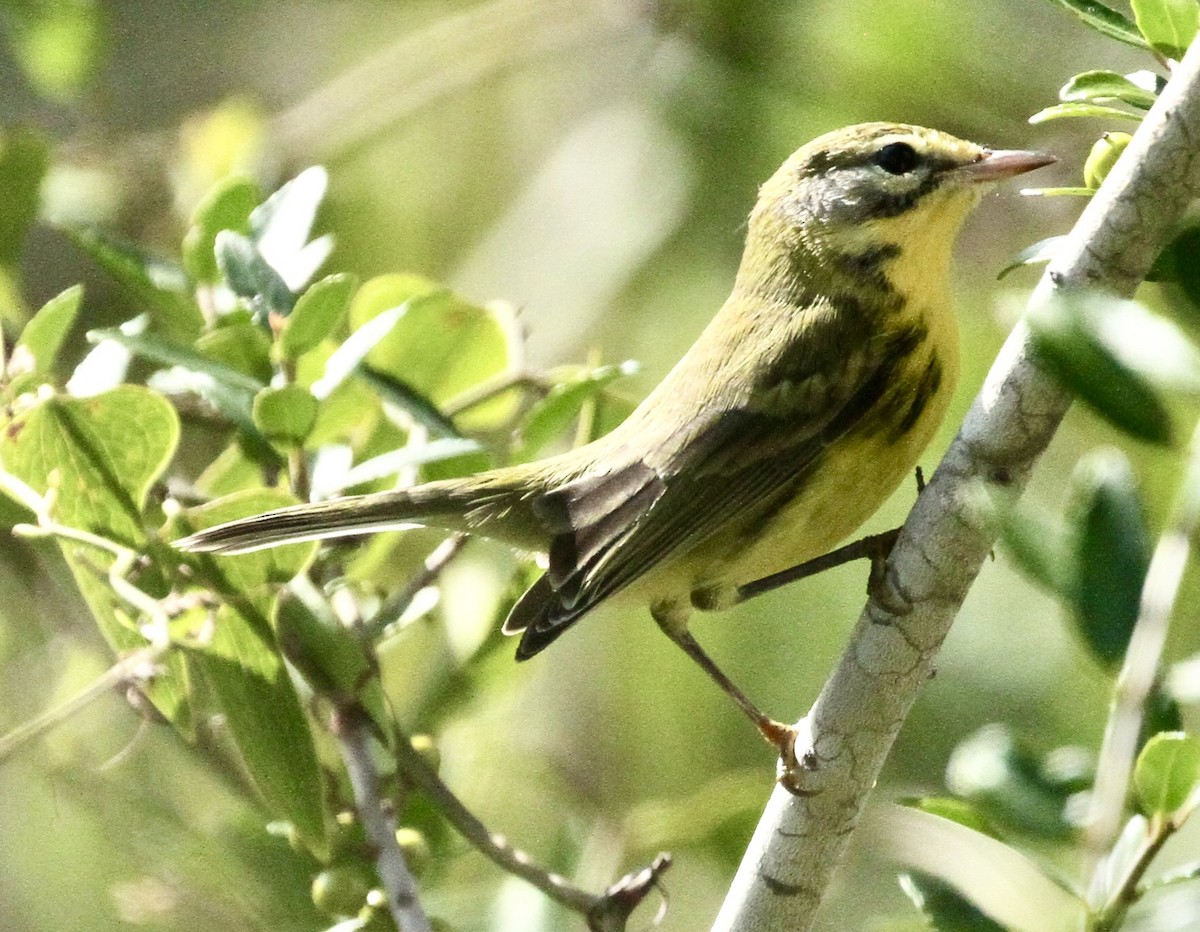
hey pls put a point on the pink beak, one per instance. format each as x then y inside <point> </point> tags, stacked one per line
<point>996,164</point>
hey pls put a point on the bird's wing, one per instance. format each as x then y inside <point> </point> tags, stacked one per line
<point>732,466</point>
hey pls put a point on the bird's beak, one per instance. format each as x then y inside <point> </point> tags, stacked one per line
<point>997,164</point>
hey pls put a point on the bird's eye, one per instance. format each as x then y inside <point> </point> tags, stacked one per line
<point>897,158</point>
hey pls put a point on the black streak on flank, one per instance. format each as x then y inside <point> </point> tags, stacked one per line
<point>876,403</point>
<point>931,381</point>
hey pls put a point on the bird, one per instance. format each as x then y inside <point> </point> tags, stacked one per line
<point>799,409</point>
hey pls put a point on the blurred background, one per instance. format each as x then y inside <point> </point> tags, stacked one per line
<point>592,163</point>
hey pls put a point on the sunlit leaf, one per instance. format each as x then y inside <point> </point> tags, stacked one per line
<point>1167,772</point>
<point>1042,251</point>
<point>1106,20</point>
<point>1105,87</point>
<point>1064,111</point>
<point>550,416</point>
<point>280,228</point>
<point>1103,156</point>
<point>316,313</point>
<point>1168,25</point>
<point>440,344</point>
<point>226,206</point>
<point>38,346</point>
<point>287,413</point>
<point>58,44</point>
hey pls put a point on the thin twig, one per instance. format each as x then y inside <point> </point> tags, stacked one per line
<point>397,604</point>
<point>349,726</point>
<point>423,66</point>
<point>1129,890</point>
<point>1118,750</point>
<point>607,911</point>
<point>140,666</point>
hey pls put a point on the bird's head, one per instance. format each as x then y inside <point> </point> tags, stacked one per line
<point>879,189</point>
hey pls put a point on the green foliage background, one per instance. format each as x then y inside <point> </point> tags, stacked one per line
<point>592,164</point>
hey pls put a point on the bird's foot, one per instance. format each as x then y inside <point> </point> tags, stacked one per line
<point>881,589</point>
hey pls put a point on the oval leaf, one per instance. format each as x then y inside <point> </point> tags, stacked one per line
<point>286,414</point>
<point>226,206</point>
<point>1166,772</point>
<point>1168,25</point>
<point>266,720</point>
<point>1065,111</point>
<point>1106,21</point>
<point>1112,554</point>
<point>1105,87</point>
<point>44,334</point>
<point>1108,352</point>
<point>317,312</point>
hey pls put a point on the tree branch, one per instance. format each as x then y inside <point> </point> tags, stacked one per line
<point>847,734</point>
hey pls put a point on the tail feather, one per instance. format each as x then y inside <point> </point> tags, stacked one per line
<point>434,505</point>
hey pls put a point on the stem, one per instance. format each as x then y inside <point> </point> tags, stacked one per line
<point>399,601</point>
<point>1143,657</point>
<point>138,666</point>
<point>348,724</point>
<point>1128,891</point>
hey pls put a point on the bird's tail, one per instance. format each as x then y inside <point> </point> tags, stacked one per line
<point>453,505</point>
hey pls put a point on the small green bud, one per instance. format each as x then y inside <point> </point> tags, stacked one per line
<point>340,890</point>
<point>415,848</point>
<point>1103,157</point>
<point>427,748</point>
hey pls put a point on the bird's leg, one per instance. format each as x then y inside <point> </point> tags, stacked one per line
<point>780,736</point>
<point>876,548</point>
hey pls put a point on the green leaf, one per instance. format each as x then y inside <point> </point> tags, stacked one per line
<point>1042,251</point>
<point>168,353</point>
<point>280,228</point>
<point>1167,772</point>
<point>250,276</point>
<point>408,399</point>
<point>954,810</point>
<point>1181,263</point>
<point>105,450</point>
<point>1112,553</point>
<point>240,345</point>
<point>226,206</point>
<point>1168,25</point>
<point>440,345</point>
<point>1057,192</point>
<point>42,337</point>
<point>1065,111</point>
<point>1105,87</point>
<point>1106,21</point>
<point>550,416</point>
<point>316,313</point>
<point>102,454</point>
<point>154,284</point>
<point>945,908</point>
<point>267,722</point>
<point>286,414</point>
<point>1114,355</point>
<point>24,158</point>
<point>1008,784</point>
<point>1040,546</point>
